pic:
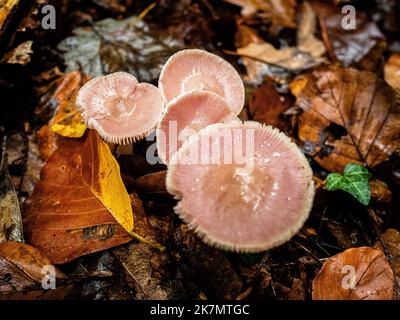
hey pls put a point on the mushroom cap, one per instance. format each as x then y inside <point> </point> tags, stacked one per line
<point>186,115</point>
<point>119,108</point>
<point>244,210</point>
<point>194,69</point>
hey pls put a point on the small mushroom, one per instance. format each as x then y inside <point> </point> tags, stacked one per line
<point>186,115</point>
<point>119,108</point>
<point>247,209</point>
<point>194,69</point>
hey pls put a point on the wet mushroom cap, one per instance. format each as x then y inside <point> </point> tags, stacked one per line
<point>194,69</point>
<point>242,209</point>
<point>186,115</point>
<point>119,108</point>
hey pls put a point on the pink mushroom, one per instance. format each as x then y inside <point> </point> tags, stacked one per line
<point>119,108</point>
<point>186,115</point>
<point>194,69</point>
<point>252,203</point>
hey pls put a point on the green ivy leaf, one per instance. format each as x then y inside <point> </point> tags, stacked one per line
<point>354,181</point>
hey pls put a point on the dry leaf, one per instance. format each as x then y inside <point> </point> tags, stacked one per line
<point>307,54</point>
<point>68,214</point>
<point>380,191</point>
<point>349,116</point>
<point>392,72</point>
<point>19,55</point>
<point>10,213</point>
<point>349,46</point>
<point>22,267</point>
<point>148,268</point>
<point>355,274</point>
<point>151,183</point>
<point>281,12</point>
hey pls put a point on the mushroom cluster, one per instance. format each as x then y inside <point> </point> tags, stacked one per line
<point>241,186</point>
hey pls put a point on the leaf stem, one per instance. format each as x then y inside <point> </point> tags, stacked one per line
<point>144,240</point>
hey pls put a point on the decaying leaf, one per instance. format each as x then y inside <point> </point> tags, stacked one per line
<point>10,213</point>
<point>308,53</point>
<point>67,120</point>
<point>392,72</point>
<point>350,46</point>
<point>109,45</point>
<point>205,267</point>
<point>23,267</point>
<point>153,183</point>
<point>19,55</point>
<point>74,206</point>
<point>267,105</point>
<point>349,116</point>
<point>281,12</point>
<point>148,269</point>
<point>380,191</point>
<point>355,274</point>
<point>391,238</point>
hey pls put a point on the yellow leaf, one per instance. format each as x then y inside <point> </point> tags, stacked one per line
<point>68,121</point>
<point>107,184</point>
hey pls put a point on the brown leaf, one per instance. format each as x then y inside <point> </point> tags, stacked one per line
<point>65,218</point>
<point>380,191</point>
<point>205,268</point>
<point>349,46</point>
<point>21,267</point>
<point>267,104</point>
<point>355,274</point>
<point>152,183</point>
<point>392,72</point>
<point>308,52</point>
<point>391,238</point>
<point>281,12</point>
<point>147,268</point>
<point>67,120</point>
<point>19,55</point>
<point>349,116</point>
<point>10,213</point>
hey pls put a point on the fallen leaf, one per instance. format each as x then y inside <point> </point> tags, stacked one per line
<point>281,12</point>
<point>349,116</point>
<point>355,274</point>
<point>308,53</point>
<point>10,213</point>
<point>267,105</point>
<point>148,268</point>
<point>349,46</point>
<point>391,238</point>
<point>392,72</point>
<point>109,45</point>
<point>22,267</point>
<point>355,180</point>
<point>19,55</point>
<point>380,191</point>
<point>74,206</point>
<point>205,268</point>
<point>67,120</point>
<point>153,183</point>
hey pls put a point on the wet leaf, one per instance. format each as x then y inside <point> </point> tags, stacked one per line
<point>349,46</point>
<point>392,72</point>
<point>71,210</point>
<point>355,181</point>
<point>391,238</point>
<point>22,267</point>
<point>282,12</point>
<point>267,105</point>
<point>307,54</point>
<point>148,268</point>
<point>109,45</point>
<point>355,274</point>
<point>10,213</point>
<point>349,116</point>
